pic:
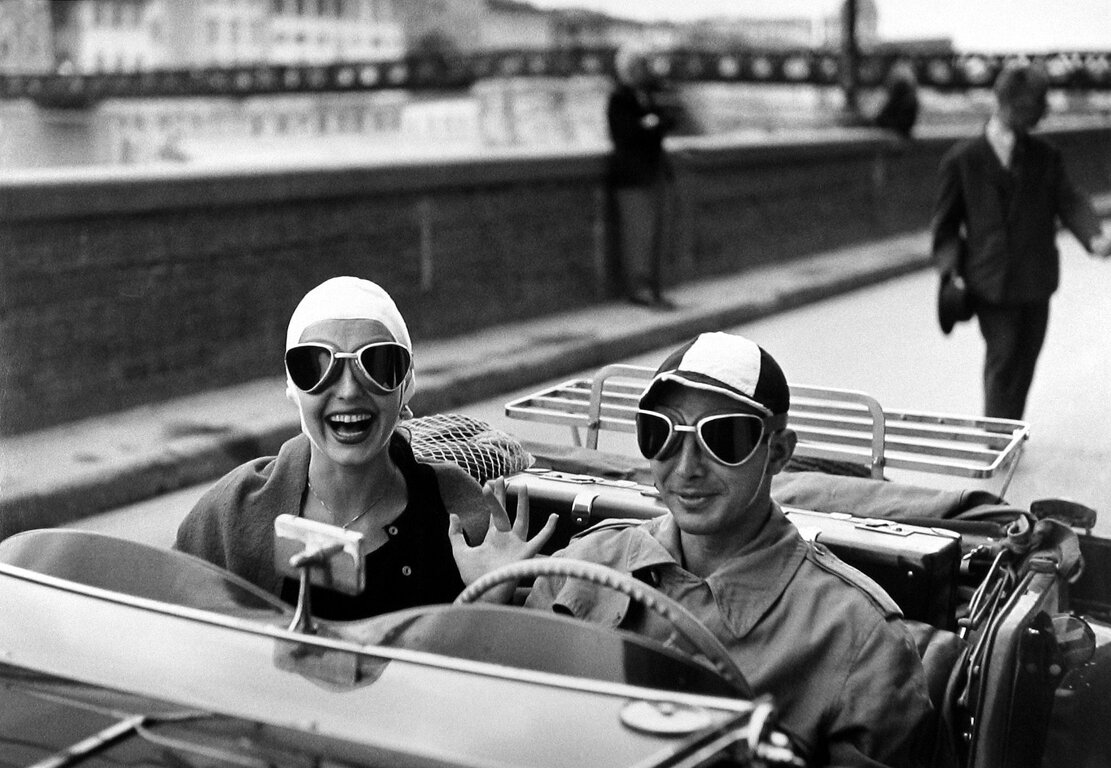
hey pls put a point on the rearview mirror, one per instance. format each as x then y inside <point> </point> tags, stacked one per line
<point>335,558</point>
<point>318,554</point>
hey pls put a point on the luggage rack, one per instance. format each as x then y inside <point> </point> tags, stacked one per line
<point>832,424</point>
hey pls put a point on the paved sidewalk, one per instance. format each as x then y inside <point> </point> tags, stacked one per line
<point>65,473</point>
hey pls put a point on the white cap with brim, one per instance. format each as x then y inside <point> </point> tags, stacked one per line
<point>730,365</point>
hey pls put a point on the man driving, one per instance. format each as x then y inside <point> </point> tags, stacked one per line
<point>822,639</point>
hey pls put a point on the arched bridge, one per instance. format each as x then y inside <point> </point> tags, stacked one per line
<point>1068,70</point>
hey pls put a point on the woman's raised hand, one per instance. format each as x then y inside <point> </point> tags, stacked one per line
<point>504,542</point>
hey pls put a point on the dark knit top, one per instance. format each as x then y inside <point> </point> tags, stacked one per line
<point>414,567</point>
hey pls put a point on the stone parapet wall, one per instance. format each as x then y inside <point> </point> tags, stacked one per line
<point>121,287</point>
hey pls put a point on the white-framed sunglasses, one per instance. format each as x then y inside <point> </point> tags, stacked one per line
<point>728,438</point>
<point>313,366</point>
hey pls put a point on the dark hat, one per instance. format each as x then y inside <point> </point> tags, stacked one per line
<point>954,305</point>
<point>729,365</point>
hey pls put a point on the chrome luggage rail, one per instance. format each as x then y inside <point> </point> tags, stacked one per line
<point>832,424</point>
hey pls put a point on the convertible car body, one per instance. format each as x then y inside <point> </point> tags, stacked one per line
<point>116,653</point>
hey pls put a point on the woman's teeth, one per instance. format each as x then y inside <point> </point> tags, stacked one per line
<point>349,422</point>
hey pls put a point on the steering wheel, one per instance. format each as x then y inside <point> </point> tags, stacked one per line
<point>684,622</point>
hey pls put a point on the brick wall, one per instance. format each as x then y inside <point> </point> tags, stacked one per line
<point>138,285</point>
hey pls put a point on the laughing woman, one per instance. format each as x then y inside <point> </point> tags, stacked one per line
<point>349,369</point>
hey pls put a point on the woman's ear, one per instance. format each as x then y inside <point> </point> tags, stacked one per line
<point>781,446</point>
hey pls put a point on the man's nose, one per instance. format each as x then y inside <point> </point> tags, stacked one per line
<point>689,460</point>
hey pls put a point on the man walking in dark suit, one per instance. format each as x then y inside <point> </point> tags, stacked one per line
<point>995,219</point>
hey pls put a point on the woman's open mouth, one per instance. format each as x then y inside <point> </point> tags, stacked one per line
<point>350,427</point>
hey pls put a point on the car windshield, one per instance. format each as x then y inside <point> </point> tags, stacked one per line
<point>173,661</point>
<point>138,570</point>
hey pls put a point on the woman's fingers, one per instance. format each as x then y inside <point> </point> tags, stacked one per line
<point>537,542</point>
<point>455,533</point>
<point>498,484</point>
<point>520,522</point>
<point>494,491</point>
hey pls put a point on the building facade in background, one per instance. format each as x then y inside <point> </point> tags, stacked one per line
<point>25,36</point>
<point>106,36</point>
<point>133,35</point>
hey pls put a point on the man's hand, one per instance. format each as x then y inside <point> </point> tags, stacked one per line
<point>503,544</point>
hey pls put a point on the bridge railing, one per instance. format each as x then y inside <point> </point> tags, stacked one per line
<point>1075,70</point>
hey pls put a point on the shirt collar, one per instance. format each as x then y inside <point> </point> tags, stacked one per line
<point>745,589</point>
<point>1001,138</point>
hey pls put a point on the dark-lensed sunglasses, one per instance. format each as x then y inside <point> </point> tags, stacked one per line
<point>313,366</point>
<point>728,438</point>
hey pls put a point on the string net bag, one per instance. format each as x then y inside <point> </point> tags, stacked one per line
<point>483,451</point>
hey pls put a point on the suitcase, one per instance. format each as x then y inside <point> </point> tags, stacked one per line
<point>916,565</point>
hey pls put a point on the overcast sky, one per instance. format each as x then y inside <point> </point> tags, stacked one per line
<point>973,25</point>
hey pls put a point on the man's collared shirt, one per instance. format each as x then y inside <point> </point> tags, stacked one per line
<point>803,626</point>
<point>1002,140</point>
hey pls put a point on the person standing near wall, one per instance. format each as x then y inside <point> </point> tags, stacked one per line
<point>640,176</point>
<point>999,200</point>
<point>899,111</point>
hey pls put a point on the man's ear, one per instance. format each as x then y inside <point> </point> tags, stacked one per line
<point>781,446</point>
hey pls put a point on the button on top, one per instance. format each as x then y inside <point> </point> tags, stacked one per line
<point>392,530</point>
<point>406,570</point>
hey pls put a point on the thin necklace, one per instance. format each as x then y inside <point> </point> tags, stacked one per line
<point>357,517</point>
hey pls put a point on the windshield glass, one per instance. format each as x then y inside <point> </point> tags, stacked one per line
<point>137,570</point>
